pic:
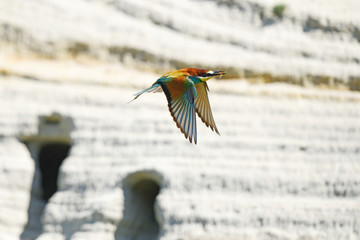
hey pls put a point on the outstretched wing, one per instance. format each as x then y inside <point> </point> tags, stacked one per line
<point>182,107</point>
<point>203,108</point>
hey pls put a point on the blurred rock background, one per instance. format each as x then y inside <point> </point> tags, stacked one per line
<point>77,162</point>
<point>299,42</point>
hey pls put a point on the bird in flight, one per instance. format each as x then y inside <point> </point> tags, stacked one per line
<point>186,91</point>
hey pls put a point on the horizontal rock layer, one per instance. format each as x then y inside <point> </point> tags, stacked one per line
<point>300,42</point>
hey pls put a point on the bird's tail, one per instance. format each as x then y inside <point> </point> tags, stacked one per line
<point>154,88</point>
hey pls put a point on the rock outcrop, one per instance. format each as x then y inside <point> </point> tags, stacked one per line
<point>299,42</point>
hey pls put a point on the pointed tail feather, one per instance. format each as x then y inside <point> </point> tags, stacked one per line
<point>154,88</point>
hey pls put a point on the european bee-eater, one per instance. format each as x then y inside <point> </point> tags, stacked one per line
<point>186,92</point>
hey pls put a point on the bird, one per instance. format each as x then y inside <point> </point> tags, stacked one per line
<point>186,92</point>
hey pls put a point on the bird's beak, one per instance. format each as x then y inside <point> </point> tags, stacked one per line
<point>216,73</point>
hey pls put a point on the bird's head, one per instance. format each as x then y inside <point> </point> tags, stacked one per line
<point>204,74</point>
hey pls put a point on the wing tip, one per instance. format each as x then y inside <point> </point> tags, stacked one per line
<point>179,126</point>
<point>181,129</point>
<point>213,128</point>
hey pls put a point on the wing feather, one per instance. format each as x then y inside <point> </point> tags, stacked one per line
<point>203,108</point>
<point>182,109</point>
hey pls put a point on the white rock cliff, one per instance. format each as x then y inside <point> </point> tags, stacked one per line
<point>78,162</point>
